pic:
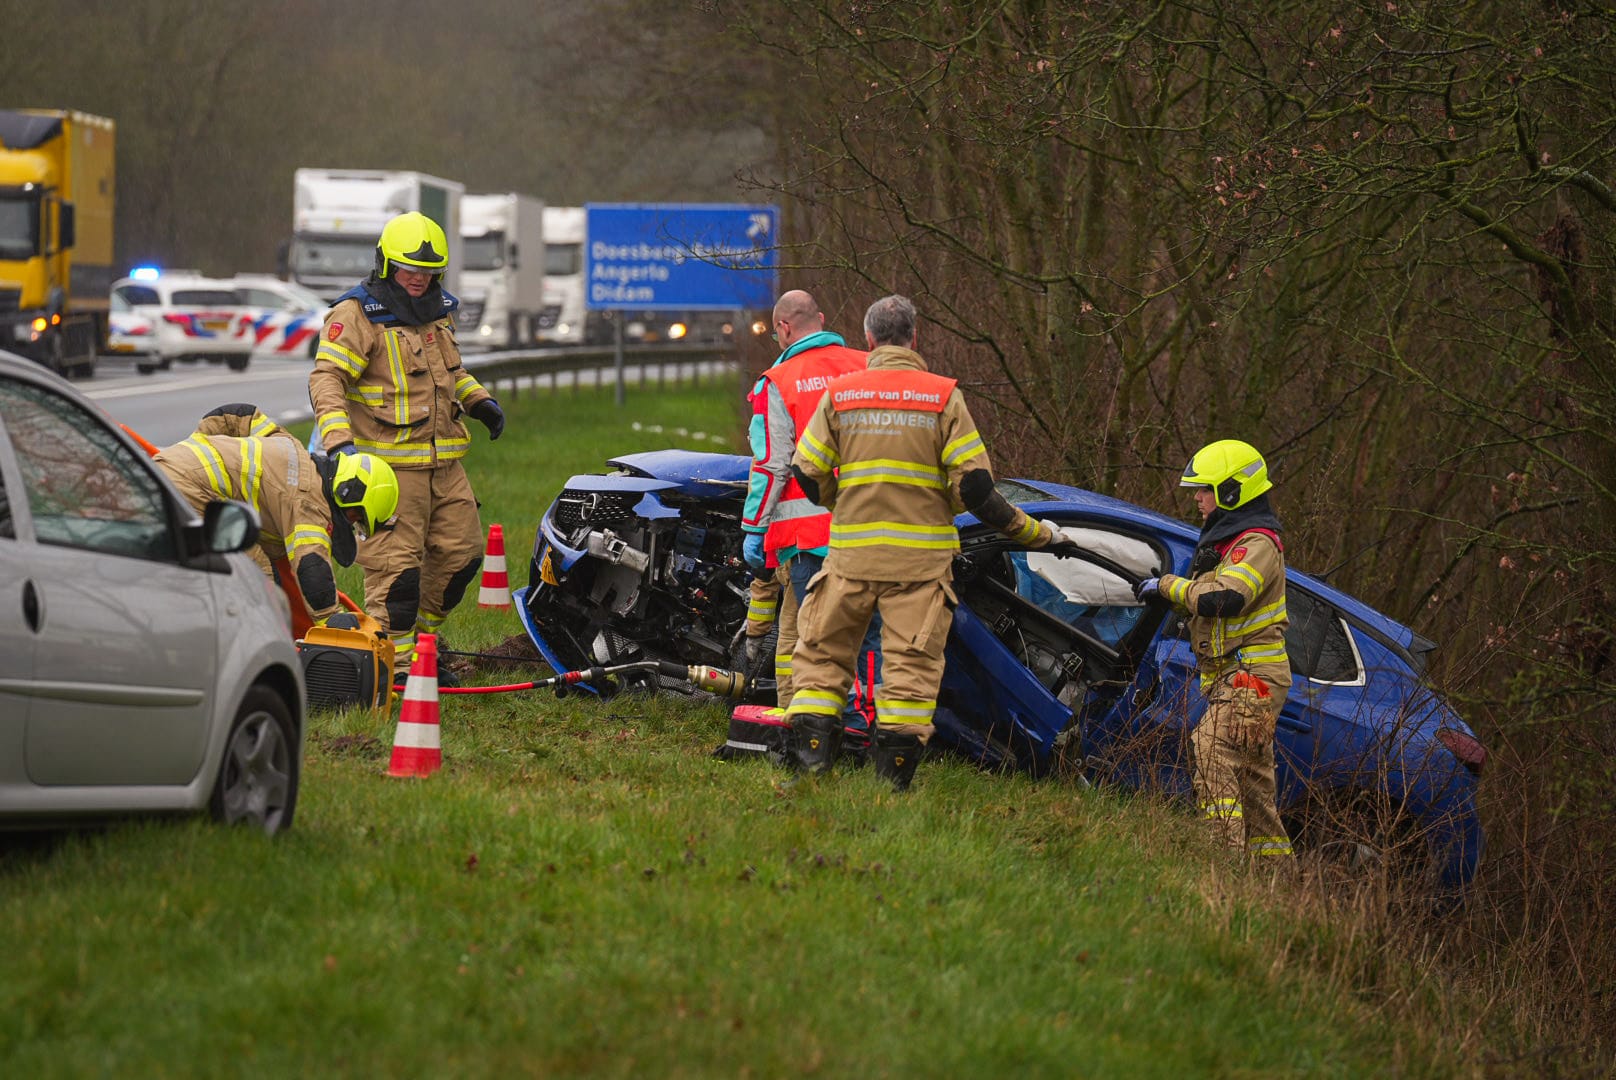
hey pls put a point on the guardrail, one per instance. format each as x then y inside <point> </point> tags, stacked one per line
<point>511,369</point>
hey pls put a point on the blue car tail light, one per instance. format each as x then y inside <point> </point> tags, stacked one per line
<point>1464,746</point>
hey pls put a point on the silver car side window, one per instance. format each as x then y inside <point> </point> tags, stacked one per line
<point>85,488</point>
<point>8,527</point>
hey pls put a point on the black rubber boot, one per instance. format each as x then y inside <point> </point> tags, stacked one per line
<point>896,758</point>
<point>814,741</point>
<point>446,675</point>
<point>855,749</point>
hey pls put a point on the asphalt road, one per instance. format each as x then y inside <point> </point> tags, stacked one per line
<point>163,407</point>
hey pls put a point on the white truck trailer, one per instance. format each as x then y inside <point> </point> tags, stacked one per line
<point>338,214</point>
<point>502,277</point>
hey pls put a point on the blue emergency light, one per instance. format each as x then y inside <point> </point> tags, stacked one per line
<point>144,273</point>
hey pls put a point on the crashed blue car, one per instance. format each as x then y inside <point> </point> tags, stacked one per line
<point>1053,666</point>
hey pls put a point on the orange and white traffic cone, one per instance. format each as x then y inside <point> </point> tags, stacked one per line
<point>495,591</point>
<point>416,750</point>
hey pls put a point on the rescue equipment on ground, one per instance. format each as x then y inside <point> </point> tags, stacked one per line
<point>348,661</point>
<point>762,731</point>
<point>756,731</point>
<point>416,748</point>
<point>495,590</point>
<point>711,680</point>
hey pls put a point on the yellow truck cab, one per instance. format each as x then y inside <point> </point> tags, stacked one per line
<point>56,214</point>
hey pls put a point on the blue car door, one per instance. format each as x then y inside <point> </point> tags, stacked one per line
<point>990,706</point>
<point>1148,737</point>
<point>1041,645</point>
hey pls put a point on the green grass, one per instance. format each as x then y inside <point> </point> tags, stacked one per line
<point>584,889</point>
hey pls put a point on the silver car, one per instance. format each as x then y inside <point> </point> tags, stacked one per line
<point>146,663</point>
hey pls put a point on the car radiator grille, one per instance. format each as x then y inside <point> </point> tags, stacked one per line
<point>10,300</point>
<point>575,508</point>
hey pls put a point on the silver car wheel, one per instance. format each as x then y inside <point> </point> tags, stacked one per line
<point>257,781</point>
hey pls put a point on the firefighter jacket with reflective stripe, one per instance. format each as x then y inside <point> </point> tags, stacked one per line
<point>888,447</point>
<point>790,391</point>
<point>1252,566</point>
<point>396,391</point>
<point>275,476</point>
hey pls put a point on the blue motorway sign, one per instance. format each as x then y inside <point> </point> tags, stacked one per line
<point>680,256</point>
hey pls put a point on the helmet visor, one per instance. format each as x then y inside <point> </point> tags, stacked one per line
<point>415,269</point>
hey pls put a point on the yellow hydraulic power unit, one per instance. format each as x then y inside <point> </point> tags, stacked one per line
<point>347,662</point>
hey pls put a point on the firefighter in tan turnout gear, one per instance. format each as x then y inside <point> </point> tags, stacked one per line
<point>307,515</point>
<point>784,529</point>
<point>893,452</point>
<point>1235,600</point>
<point>388,381</point>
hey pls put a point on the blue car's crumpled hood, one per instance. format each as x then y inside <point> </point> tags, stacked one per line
<point>695,473</point>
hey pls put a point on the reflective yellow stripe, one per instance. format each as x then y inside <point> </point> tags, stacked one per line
<point>822,456</point>
<point>401,382</point>
<point>1178,591</point>
<point>399,453</point>
<point>1269,845</point>
<point>890,471</point>
<point>416,453</point>
<point>365,395</point>
<point>895,533</point>
<point>212,463</point>
<point>342,356</point>
<point>252,470</point>
<point>1223,809</point>
<point>262,426</point>
<point>1247,573</point>
<point>1263,616</point>
<point>308,535</point>
<point>1027,532</point>
<point>1263,654</point>
<point>963,448</point>
<point>465,387</point>
<point>335,421</point>
<point>815,702</point>
<point>403,649</point>
<point>894,711</point>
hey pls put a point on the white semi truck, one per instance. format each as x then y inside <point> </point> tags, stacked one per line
<point>338,214</point>
<point>503,273</point>
<point>562,321</point>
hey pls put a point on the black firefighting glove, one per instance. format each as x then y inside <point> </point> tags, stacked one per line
<point>491,415</point>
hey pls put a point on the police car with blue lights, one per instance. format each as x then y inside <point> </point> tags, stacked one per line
<point>159,317</point>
